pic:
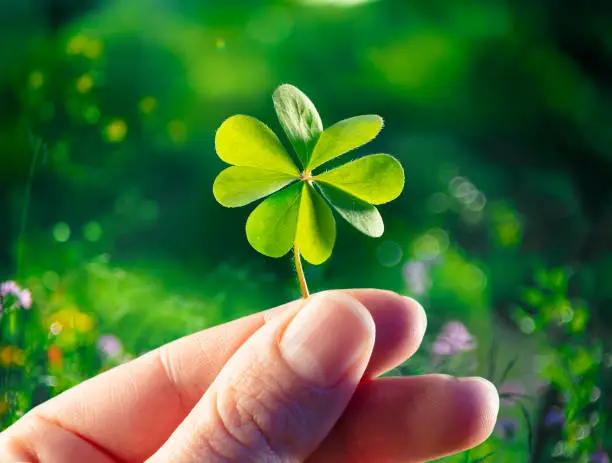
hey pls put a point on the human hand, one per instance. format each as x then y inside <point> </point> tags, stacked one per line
<point>291,384</point>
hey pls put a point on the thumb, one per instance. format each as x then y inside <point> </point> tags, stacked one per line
<point>281,393</point>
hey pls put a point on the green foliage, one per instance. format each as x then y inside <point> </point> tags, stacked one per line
<point>377,179</point>
<point>571,363</point>
<point>245,141</point>
<point>237,186</point>
<point>360,214</point>
<point>344,136</point>
<point>316,231</point>
<point>300,120</point>
<point>500,115</point>
<point>271,228</point>
<point>298,215</point>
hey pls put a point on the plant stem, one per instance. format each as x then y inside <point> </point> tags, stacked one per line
<point>300,272</point>
<point>26,205</point>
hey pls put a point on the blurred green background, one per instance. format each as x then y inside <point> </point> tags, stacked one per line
<point>498,110</point>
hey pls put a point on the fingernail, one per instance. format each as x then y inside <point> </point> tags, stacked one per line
<point>422,318</point>
<point>480,388</point>
<point>327,337</point>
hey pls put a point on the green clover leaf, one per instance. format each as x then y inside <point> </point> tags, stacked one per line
<point>296,213</point>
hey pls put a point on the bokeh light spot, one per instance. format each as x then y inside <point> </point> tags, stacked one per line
<point>84,83</point>
<point>89,47</point>
<point>177,131</point>
<point>507,225</point>
<point>438,203</point>
<point>473,278</point>
<point>76,44</point>
<point>92,114</point>
<point>93,49</point>
<point>147,105</point>
<point>426,247</point>
<point>61,232</point>
<point>527,325</point>
<point>466,192</point>
<point>270,26</point>
<point>84,322</point>
<point>416,64</point>
<point>37,79</point>
<point>50,280</point>
<point>389,254</point>
<point>92,231</point>
<point>478,203</point>
<point>441,237</point>
<point>115,131</point>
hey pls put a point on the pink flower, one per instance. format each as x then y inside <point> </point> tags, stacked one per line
<point>109,345</point>
<point>510,392</point>
<point>10,288</point>
<point>25,299</point>
<point>417,279</point>
<point>453,339</point>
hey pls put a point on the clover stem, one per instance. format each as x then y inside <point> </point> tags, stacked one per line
<point>300,272</point>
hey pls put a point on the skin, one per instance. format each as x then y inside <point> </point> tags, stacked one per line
<point>244,391</point>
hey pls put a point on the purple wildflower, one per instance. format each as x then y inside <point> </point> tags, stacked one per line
<point>506,428</point>
<point>453,339</point>
<point>9,287</point>
<point>23,296</point>
<point>555,417</point>
<point>25,299</point>
<point>415,274</point>
<point>599,457</point>
<point>109,345</point>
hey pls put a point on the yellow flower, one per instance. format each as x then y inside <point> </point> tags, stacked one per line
<point>11,355</point>
<point>72,318</point>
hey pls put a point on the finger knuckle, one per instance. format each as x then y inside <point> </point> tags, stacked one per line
<point>257,410</point>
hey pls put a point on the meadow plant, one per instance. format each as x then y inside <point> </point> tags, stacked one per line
<point>297,214</point>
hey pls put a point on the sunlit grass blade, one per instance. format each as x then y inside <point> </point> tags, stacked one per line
<point>529,424</point>
<point>271,227</point>
<point>245,141</point>
<point>483,458</point>
<point>508,369</point>
<point>377,179</point>
<point>343,137</point>
<point>316,232</point>
<point>299,118</point>
<point>361,215</point>
<point>237,186</point>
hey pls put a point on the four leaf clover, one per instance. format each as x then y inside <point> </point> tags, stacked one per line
<point>296,213</point>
